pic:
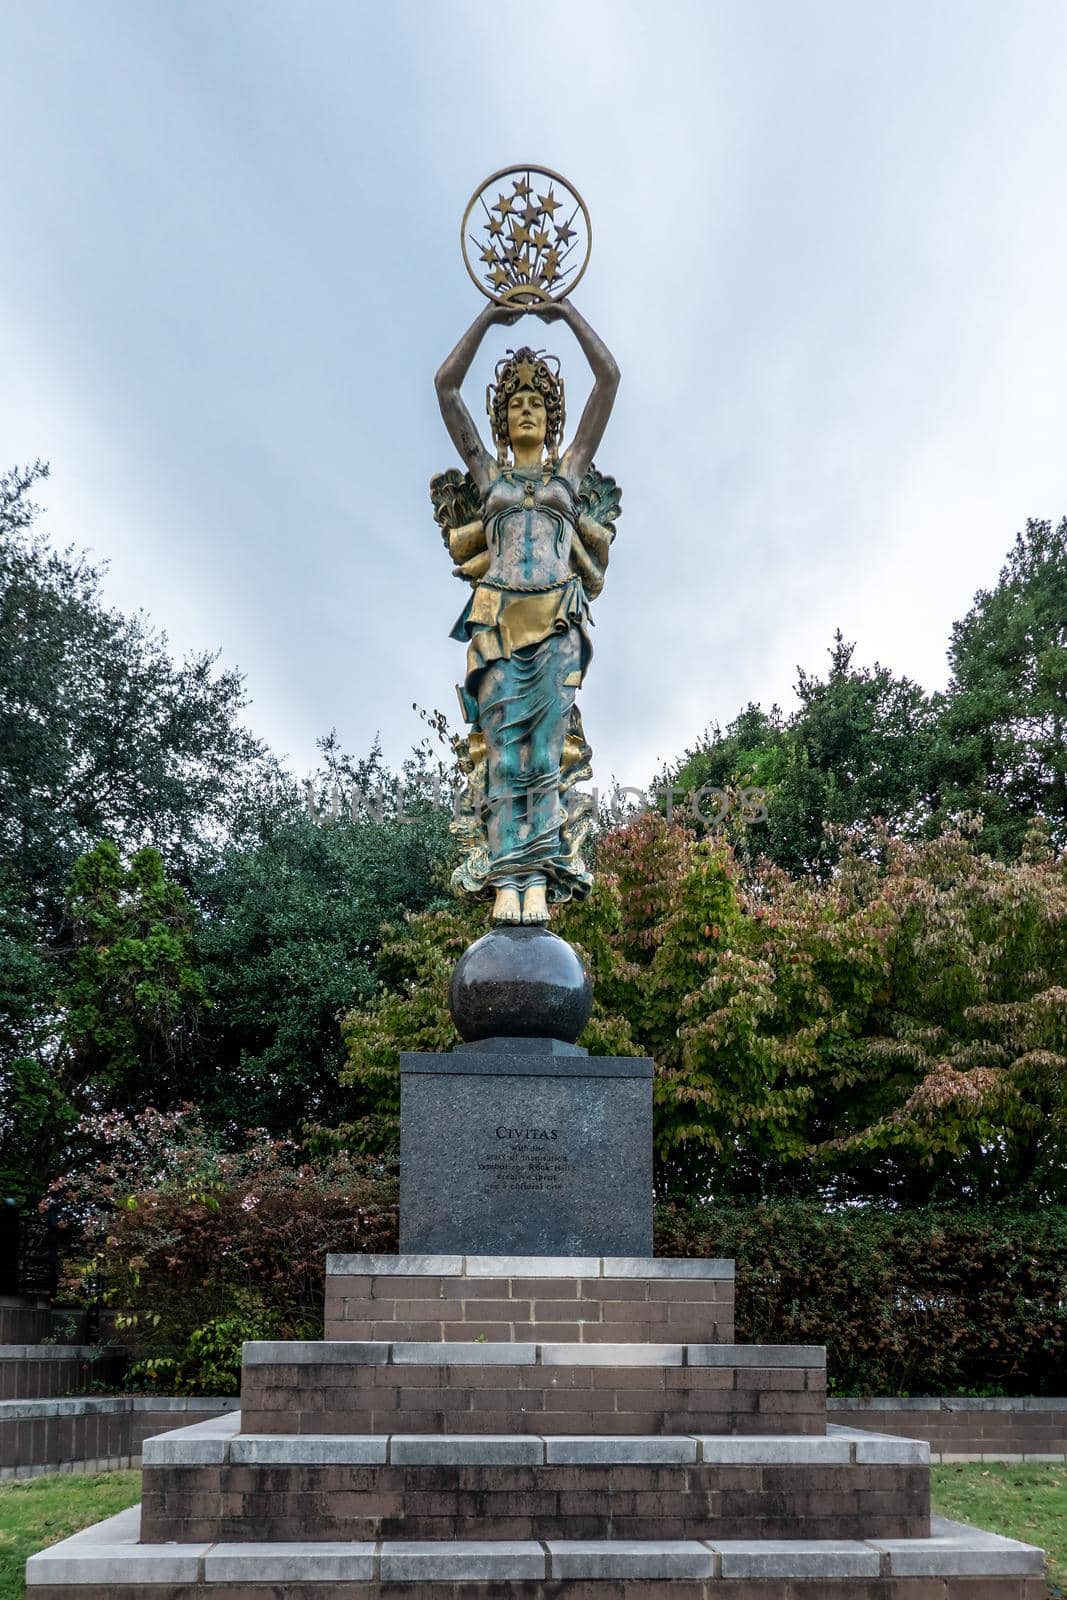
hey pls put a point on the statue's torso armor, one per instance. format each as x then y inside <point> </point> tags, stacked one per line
<point>529,527</point>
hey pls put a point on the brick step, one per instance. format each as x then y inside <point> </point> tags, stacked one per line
<point>364,1386</point>
<point>564,1298</point>
<point>106,1562</point>
<point>213,1482</point>
<point>41,1371</point>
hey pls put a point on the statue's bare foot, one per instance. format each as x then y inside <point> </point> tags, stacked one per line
<point>534,906</point>
<point>506,906</point>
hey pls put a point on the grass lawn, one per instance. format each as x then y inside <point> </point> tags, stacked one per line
<point>35,1512</point>
<point>1027,1502</point>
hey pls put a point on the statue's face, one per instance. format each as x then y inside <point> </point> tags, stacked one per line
<point>527,418</point>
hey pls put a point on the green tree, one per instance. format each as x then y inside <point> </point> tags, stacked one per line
<point>897,1031</point>
<point>290,942</point>
<point>101,733</point>
<point>857,748</point>
<point>1002,737</point>
<point>133,997</point>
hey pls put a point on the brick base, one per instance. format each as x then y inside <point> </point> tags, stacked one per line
<point>190,1505</point>
<point>334,1397</point>
<point>471,1297</point>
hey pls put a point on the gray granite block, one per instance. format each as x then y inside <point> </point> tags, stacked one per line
<point>108,1553</point>
<point>881,1449</point>
<point>181,1402</point>
<point>958,1551</point>
<point>306,1562</point>
<point>521,1155</point>
<point>316,1352</point>
<point>464,1353</point>
<point>466,1450</point>
<point>756,1355</point>
<point>201,1444</point>
<point>796,1558</point>
<point>54,1352</point>
<point>72,1406</point>
<point>533,1266</point>
<point>458,1560</point>
<point>619,1449</point>
<point>611,1355</point>
<point>886,1451</point>
<point>962,1402</point>
<point>309,1450</point>
<point>792,1450</point>
<point>914,1402</point>
<point>403,1266</point>
<point>629,1558</point>
<point>667,1267</point>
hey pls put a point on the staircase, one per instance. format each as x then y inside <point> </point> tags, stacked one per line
<point>578,1427</point>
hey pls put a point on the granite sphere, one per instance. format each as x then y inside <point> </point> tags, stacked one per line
<point>520,982</point>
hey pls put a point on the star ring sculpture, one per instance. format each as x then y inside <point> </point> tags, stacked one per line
<point>526,236</point>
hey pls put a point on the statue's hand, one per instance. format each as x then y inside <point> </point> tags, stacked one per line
<point>553,311</point>
<point>506,316</point>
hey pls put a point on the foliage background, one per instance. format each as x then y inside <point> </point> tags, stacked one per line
<point>857,1008</point>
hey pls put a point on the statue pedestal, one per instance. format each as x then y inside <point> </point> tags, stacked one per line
<point>525,1147</point>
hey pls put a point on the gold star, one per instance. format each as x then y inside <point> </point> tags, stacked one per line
<point>519,235</point>
<point>503,204</point>
<point>522,266</point>
<point>549,202</point>
<point>551,262</point>
<point>540,241</point>
<point>521,187</point>
<point>530,215</point>
<point>489,256</point>
<point>496,226</point>
<point>499,277</point>
<point>564,232</point>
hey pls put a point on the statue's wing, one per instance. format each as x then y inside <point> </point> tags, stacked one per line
<point>456,500</point>
<point>599,503</point>
<point>457,510</point>
<point>600,498</point>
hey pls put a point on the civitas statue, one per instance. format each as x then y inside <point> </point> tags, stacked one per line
<point>529,526</point>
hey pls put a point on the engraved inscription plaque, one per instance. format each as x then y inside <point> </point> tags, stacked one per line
<point>525,1154</point>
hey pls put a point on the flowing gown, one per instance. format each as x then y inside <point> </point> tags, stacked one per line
<point>526,629</point>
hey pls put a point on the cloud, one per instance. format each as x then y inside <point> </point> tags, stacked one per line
<point>829,248</point>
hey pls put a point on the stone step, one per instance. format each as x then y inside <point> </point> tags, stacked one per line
<point>212,1482</point>
<point>953,1563</point>
<point>564,1298</point>
<point>368,1386</point>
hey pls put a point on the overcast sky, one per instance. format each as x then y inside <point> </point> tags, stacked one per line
<point>830,255</point>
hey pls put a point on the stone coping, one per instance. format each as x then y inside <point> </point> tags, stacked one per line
<point>449,1266</point>
<point>58,1352</point>
<point>506,1063</point>
<point>478,1353</point>
<point>85,1405</point>
<point>110,1554</point>
<point>218,1442</point>
<point>951,1402</point>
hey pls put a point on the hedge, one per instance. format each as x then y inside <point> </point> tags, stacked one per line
<point>918,1302</point>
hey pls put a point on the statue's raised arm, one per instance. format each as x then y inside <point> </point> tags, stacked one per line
<point>449,385</point>
<point>579,455</point>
